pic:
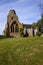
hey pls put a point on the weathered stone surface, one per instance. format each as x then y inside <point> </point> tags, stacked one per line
<point>13,26</point>
<point>12,23</point>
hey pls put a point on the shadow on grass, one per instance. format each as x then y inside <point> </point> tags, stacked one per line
<point>2,37</point>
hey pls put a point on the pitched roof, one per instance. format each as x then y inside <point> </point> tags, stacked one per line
<point>28,26</point>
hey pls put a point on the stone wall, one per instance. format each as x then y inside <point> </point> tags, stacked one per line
<point>30,31</point>
<point>12,18</point>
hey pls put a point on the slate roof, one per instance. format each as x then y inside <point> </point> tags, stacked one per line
<point>28,26</point>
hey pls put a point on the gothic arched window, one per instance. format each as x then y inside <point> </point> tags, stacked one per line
<point>13,26</point>
<point>16,28</point>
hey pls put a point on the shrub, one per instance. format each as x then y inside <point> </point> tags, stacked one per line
<point>2,37</point>
<point>38,33</point>
<point>21,31</point>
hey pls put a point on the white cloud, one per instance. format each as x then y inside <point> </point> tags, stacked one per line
<point>19,1</point>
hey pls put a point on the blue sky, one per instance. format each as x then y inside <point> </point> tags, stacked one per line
<point>28,11</point>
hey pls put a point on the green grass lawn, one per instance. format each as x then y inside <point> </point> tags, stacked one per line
<point>21,51</point>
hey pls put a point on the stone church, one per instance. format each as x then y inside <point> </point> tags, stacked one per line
<point>13,26</point>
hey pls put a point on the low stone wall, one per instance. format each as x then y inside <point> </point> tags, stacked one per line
<point>42,35</point>
<point>16,35</point>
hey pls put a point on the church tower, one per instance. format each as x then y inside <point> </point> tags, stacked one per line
<point>13,25</point>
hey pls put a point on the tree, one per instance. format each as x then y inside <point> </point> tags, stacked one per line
<point>35,24</point>
<point>39,22</point>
